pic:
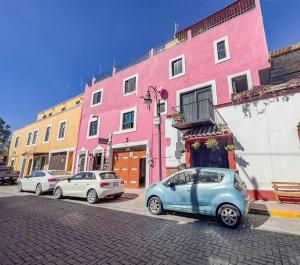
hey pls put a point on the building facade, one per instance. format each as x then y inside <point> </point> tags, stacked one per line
<point>195,74</point>
<point>50,142</point>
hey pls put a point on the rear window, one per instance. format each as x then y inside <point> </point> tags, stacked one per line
<point>108,175</point>
<point>58,173</point>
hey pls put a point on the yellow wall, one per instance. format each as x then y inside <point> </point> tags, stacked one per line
<point>71,115</point>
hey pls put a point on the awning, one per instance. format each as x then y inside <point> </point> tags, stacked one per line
<point>205,131</point>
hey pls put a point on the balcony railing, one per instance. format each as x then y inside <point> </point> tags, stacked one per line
<point>196,114</point>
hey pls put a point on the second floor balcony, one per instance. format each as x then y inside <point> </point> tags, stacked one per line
<point>196,114</point>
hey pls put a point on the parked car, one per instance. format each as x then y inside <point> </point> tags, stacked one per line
<point>210,191</point>
<point>42,181</point>
<point>8,175</point>
<point>92,185</point>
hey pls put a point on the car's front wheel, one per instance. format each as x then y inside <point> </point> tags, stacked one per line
<point>229,216</point>
<point>38,189</point>
<point>58,193</point>
<point>20,187</point>
<point>155,206</point>
<point>92,197</point>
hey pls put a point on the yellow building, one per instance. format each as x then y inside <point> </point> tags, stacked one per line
<point>50,142</point>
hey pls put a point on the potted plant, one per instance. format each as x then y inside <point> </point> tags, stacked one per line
<point>196,145</point>
<point>212,143</point>
<point>177,116</point>
<point>231,147</point>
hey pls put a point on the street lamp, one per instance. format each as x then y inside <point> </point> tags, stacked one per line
<point>148,102</point>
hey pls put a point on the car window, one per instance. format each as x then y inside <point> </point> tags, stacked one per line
<point>58,172</point>
<point>42,174</point>
<point>178,179</point>
<point>89,175</point>
<point>210,177</point>
<point>78,176</point>
<point>190,177</point>
<point>33,174</point>
<point>108,175</point>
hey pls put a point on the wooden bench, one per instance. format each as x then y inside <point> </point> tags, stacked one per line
<point>286,189</point>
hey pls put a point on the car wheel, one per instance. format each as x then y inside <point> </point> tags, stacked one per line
<point>20,187</point>
<point>58,193</point>
<point>229,216</point>
<point>117,196</point>
<point>38,189</point>
<point>92,196</point>
<point>155,206</point>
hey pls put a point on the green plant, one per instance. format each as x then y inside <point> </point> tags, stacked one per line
<point>231,147</point>
<point>177,116</point>
<point>182,151</point>
<point>212,143</point>
<point>196,145</point>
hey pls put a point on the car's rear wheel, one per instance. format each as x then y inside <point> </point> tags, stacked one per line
<point>58,193</point>
<point>229,216</point>
<point>92,197</point>
<point>38,189</point>
<point>20,187</point>
<point>155,206</point>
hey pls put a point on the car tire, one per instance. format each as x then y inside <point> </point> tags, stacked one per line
<point>58,193</point>
<point>20,187</point>
<point>229,216</point>
<point>155,206</point>
<point>38,189</point>
<point>92,196</point>
<point>117,196</point>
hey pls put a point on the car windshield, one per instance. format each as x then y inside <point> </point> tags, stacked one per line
<point>108,175</point>
<point>58,173</point>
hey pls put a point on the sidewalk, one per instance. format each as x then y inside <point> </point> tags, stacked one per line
<point>274,209</point>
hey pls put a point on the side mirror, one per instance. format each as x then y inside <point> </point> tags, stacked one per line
<point>69,179</point>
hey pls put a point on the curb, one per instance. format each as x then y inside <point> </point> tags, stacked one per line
<point>275,213</point>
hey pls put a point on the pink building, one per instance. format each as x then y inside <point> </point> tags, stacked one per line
<point>222,54</point>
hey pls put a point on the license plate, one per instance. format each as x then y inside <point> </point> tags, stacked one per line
<point>116,183</point>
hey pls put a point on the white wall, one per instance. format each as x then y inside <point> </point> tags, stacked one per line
<point>267,131</point>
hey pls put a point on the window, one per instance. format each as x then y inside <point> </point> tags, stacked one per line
<point>163,108</point>
<point>97,97</point>
<point>176,67</point>
<point>47,134</point>
<point>81,162</point>
<point>240,82</point>
<point>221,50</point>
<point>93,128</point>
<point>130,84</point>
<point>34,138</point>
<point>128,120</point>
<point>29,138</point>
<point>16,142</point>
<point>79,176</point>
<point>62,130</point>
<point>210,177</point>
<point>89,175</point>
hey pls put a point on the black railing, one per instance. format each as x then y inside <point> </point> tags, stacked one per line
<point>132,62</point>
<point>198,113</point>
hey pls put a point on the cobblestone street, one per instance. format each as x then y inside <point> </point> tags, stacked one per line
<point>37,230</point>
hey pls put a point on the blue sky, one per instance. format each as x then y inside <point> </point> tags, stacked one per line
<point>48,45</point>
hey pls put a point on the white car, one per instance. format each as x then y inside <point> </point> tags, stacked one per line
<point>92,185</point>
<point>42,181</point>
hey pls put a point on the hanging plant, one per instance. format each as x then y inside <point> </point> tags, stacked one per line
<point>182,151</point>
<point>196,145</point>
<point>212,144</point>
<point>231,147</point>
<point>177,116</point>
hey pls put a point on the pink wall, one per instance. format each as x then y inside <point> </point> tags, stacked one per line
<point>248,50</point>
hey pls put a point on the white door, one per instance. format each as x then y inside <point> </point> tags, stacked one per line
<point>88,180</point>
<point>70,188</point>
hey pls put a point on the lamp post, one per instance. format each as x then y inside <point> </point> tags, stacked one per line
<point>148,102</point>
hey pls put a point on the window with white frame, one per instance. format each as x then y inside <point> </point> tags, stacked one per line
<point>128,120</point>
<point>93,127</point>
<point>17,142</point>
<point>29,138</point>
<point>163,108</point>
<point>176,67</point>
<point>240,82</point>
<point>62,130</point>
<point>130,85</point>
<point>97,97</point>
<point>34,138</point>
<point>47,134</point>
<point>221,50</point>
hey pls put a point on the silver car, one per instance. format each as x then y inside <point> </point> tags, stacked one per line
<point>42,181</point>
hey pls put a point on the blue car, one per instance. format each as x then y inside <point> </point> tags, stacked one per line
<point>210,191</point>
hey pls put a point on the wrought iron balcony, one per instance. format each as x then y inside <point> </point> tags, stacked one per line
<point>196,114</point>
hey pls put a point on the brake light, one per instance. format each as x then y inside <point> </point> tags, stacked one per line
<point>52,179</point>
<point>238,186</point>
<point>104,184</point>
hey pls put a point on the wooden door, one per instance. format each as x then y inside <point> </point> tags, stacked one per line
<point>121,166</point>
